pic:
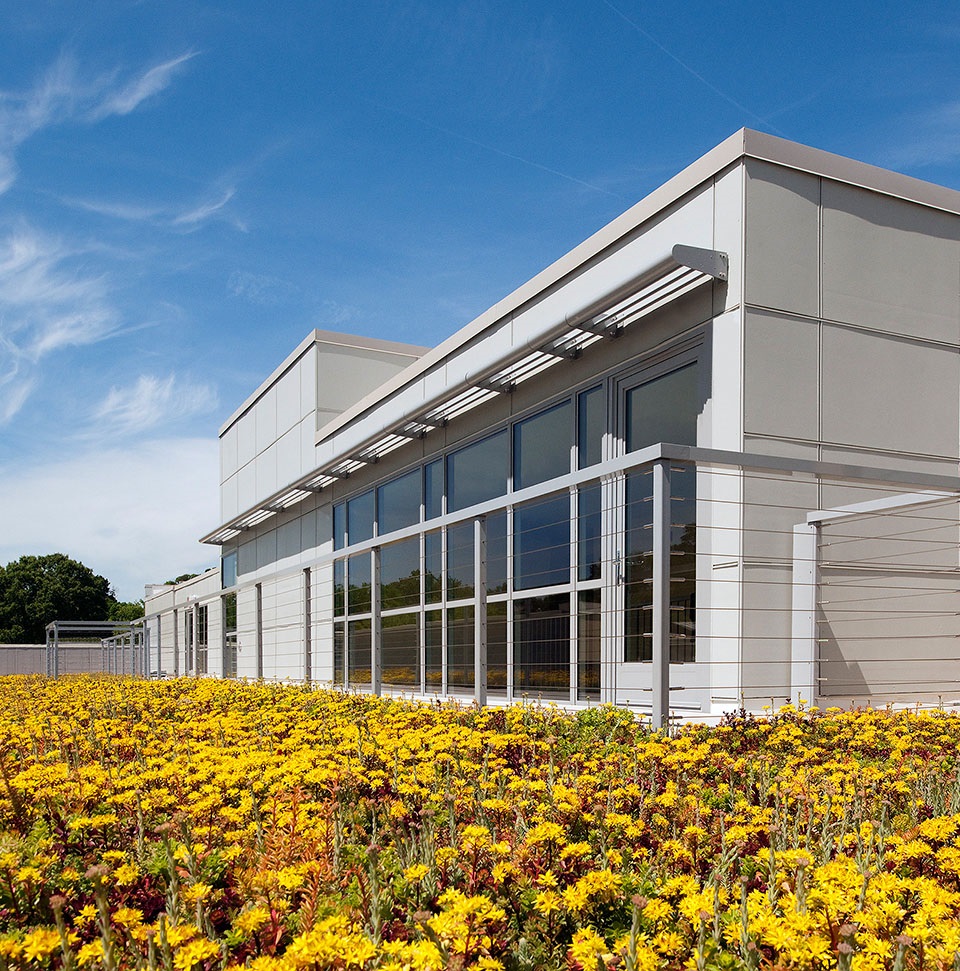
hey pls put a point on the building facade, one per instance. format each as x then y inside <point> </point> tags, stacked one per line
<point>706,460</point>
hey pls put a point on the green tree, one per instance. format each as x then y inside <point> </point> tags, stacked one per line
<point>35,590</point>
<point>125,610</point>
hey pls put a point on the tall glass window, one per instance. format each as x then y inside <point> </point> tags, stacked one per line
<point>398,503</point>
<point>591,424</point>
<point>358,634</point>
<point>338,653</point>
<point>478,472</point>
<point>203,643</point>
<point>460,578</point>
<point>460,654</point>
<point>400,574</point>
<point>497,553</point>
<point>541,543</point>
<point>358,576</point>
<point>589,529</point>
<point>541,646</point>
<point>339,603</point>
<point>433,649</point>
<point>401,651</point>
<point>433,567</point>
<point>433,489</point>
<point>360,518</point>
<point>230,635</point>
<point>339,525</point>
<point>541,446</point>
<point>588,644</point>
<point>664,410</point>
<point>228,569</point>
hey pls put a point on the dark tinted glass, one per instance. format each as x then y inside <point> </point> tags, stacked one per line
<point>398,503</point>
<point>338,645</point>
<point>433,567</point>
<point>360,518</point>
<point>588,532</point>
<point>358,576</point>
<point>541,543</point>
<point>541,446</point>
<point>588,644</point>
<point>433,489</point>
<point>228,569</point>
<point>497,649</point>
<point>590,427</point>
<point>401,651</point>
<point>433,649</point>
<point>497,552</point>
<point>541,646</point>
<point>664,410</point>
<point>478,472</point>
<point>339,525</point>
<point>400,574</point>
<point>359,650</point>
<point>338,599</point>
<point>460,640</point>
<point>460,579</point>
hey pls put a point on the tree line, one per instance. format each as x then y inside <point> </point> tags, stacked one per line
<point>35,590</point>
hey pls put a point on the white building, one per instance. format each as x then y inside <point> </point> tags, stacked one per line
<point>725,429</point>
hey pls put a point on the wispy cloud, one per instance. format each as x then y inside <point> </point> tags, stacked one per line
<point>931,137</point>
<point>47,302</point>
<point>199,214</point>
<point>260,288</point>
<point>125,99</point>
<point>149,402</point>
<point>63,94</point>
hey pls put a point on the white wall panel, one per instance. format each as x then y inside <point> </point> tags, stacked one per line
<point>228,453</point>
<point>247,486</point>
<point>246,438</point>
<point>288,457</point>
<point>288,401</point>
<point>265,416</point>
<point>266,465</point>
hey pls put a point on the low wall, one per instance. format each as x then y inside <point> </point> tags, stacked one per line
<point>75,658</point>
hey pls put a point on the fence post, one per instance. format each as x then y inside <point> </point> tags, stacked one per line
<point>661,595</point>
<point>803,644</point>
<point>480,611</point>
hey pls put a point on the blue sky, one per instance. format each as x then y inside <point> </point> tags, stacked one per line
<point>186,189</point>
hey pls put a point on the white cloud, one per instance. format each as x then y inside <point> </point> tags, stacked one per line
<point>131,514</point>
<point>47,303</point>
<point>61,95</point>
<point>149,402</point>
<point>133,93</point>
<point>202,212</point>
<point>260,288</point>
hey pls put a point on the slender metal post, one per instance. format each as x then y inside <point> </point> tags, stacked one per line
<point>803,644</point>
<point>259,607</point>
<point>307,629</point>
<point>480,611</point>
<point>47,652</point>
<point>56,651</point>
<point>376,623</point>
<point>661,595</point>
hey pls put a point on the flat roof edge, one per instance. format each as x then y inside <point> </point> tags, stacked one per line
<point>317,336</point>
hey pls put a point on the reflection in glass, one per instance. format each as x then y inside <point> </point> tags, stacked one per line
<point>541,446</point>
<point>230,635</point>
<point>400,574</point>
<point>401,651</point>
<point>541,543</point>
<point>433,567</point>
<point>203,645</point>
<point>460,561</point>
<point>358,576</point>
<point>588,644</point>
<point>541,646</point>
<point>398,503</point>
<point>638,575</point>
<point>339,525</point>
<point>360,518</point>
<point>589,525</point>
<point>497,552</point>
<point>460,654</point>
<point>664,410</point>
<point>433,489</point>
<point>433,652</point>
<point>338,587</point>
<point>228,569</point>
<point>478,472</point>
<point>338,637</point>
<point>359,653</point>
<point>590,427</point>
<point>497,649</point>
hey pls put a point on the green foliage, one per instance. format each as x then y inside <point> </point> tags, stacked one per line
<point>36,590</point>
<point>125,610</point>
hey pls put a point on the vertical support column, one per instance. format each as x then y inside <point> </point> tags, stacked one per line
<point>47,656</point>
<point>176,646</point>
<point>307,629</point>
<point>56,651</point>
<point>661,595</point>
<point>480,611</point>
<point>259,647</point>
<point>376,623</point>
<point>803,642</point>
<point>146,651</point>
